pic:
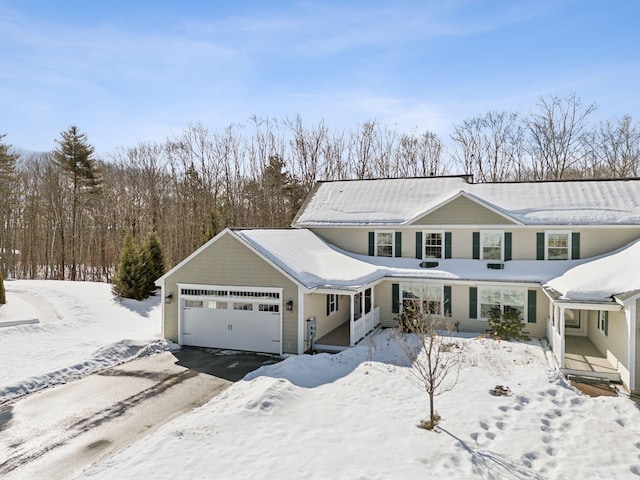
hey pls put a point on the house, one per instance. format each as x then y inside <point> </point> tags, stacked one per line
<point>563,255</point>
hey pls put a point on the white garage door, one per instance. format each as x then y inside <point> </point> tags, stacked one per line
<point>230,317</point>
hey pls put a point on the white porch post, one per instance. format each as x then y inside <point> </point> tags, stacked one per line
<point>301,324</point>
<point>630,313</point>
<point>562,340</point>
<point>351,322</point>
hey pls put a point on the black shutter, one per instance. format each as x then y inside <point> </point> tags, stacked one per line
<point>328,305</point>
<point>531,306</point>
<point>372,244</point>
<point>606,323</point>
<point>575,245</point>
<point>395,298</point>
<point>507,246</point>
<point>447,244</point>
<point>419,247</point>
<point>473,302</point>
<point>398,244</point>
<point>447,301</point>
<point>476,245</point>
<point>540,246</point>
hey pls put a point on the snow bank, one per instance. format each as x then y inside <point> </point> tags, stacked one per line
<point>82,328</point>
<point>354,415</point>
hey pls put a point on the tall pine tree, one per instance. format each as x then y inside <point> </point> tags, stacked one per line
<point>74,156</point>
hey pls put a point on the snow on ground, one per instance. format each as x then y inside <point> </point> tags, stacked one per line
<point>355,415</point>
<point>52,332</point>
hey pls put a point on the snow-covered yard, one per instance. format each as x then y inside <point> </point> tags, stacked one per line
<point>80,328</point>
<point>354,415</point>
<point>351,415</point>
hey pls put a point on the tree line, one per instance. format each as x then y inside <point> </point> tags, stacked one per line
<point>64,214</point>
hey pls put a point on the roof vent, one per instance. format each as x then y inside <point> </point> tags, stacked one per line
<point>495,266</point>
<point>429,264</point>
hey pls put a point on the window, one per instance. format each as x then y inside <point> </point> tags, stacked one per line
<point>426,299</point>
<point>193,304</point>
<point>332,304</point>
<point>384,244</point>
<point>367,300</point>
<point>558,245</point>
<point>267,307</point>
<point>216,305</point>
<point>243,306</point>
<point>603,322</point>
<point>433,244</point>
<point>491,245</point>
<point>494,301</point>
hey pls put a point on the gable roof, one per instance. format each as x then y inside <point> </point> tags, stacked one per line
<point>308,259</point>
<point>403,200</point>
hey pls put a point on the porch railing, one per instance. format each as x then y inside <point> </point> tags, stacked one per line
<point>365,324</point>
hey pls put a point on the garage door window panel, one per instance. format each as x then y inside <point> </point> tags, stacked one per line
<point>193,304</point>
<point>243,306</point>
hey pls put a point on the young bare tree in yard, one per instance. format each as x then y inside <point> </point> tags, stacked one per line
<point>425,338</point>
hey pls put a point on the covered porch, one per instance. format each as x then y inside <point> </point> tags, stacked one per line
<point>364,319</point>
<point>582,358</point>
<point>572,331</point>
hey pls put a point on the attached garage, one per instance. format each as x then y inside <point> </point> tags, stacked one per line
<point>231,317</point>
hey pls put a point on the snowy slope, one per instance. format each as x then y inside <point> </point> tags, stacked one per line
<point>354,415</point>
<point>81,328</point>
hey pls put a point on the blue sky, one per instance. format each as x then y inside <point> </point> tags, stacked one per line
<point>131,71</point>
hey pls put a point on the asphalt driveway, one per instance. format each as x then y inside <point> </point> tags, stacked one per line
<point>59,432</point>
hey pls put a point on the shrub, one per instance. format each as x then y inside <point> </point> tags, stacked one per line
<point>130,280</point>
<point>507,326</point>
<point>153,259</point>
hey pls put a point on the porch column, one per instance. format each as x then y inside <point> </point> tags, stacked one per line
<point>351,322</point>
<point>630,313</point>
<point>562,340</point>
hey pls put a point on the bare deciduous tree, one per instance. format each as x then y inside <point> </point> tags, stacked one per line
<point>556,136</point>
<point>435,357</point>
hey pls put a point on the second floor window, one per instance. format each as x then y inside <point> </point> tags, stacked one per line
<point>558,245</point>
<point>433,244</point>
<point>384,244</point>
<point>491,245</point>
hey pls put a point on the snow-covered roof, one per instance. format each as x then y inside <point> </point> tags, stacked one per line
<point>308,259</point>
<point>385,201</point>
<point>314,263</point>
<point>601,278</point>
<point>401,201</point>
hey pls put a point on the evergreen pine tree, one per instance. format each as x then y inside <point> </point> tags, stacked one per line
<point>130,280</point>
<point>74,156</point>
<point>3,298</point>
<point>153,262</point>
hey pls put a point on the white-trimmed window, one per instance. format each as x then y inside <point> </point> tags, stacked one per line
<point>492,245</point>
<point>433,244</point>
<point>492,300</point>
<point>332,304</point>
<point>427,299</point>
<point>384,242</point>
<point>557,245</point>
<point>603,322</point>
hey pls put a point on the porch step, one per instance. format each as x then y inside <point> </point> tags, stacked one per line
<point>611,377</point>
